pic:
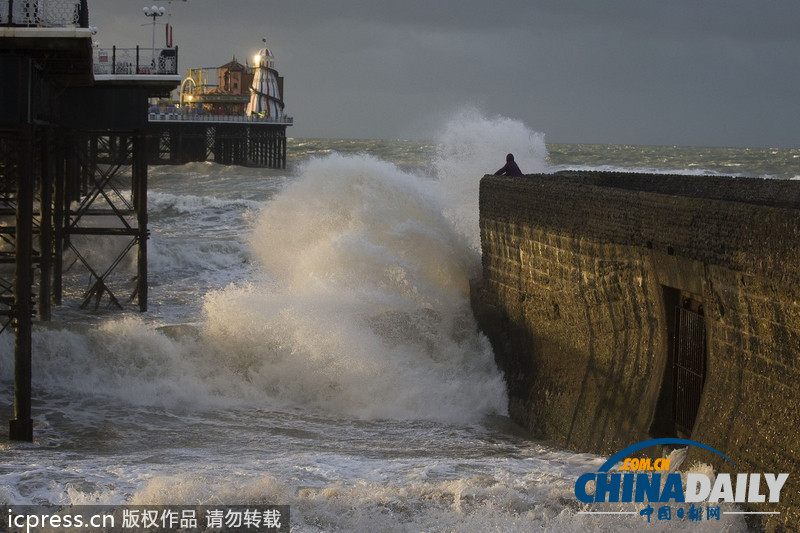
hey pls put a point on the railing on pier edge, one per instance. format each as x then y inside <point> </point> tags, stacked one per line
<point>136,61</point>
<point>191,117</point>
<point>44,13</point>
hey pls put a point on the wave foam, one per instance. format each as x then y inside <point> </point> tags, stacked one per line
<point>359,304</point>
<point>368,311</point>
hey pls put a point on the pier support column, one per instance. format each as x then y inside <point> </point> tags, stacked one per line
<point>46,226</point>
<point>21,427</point>
<point>139,175</point>
<point>59,222</point>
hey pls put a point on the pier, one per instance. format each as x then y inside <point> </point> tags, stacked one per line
<point>232,114</point>
<point>78,128</point>
<point>73,167</point>
<point>224,139</point>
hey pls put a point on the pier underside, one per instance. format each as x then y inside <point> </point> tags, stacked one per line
<point>73,188</point>
<point>74,200</point>
<point>225,142</point>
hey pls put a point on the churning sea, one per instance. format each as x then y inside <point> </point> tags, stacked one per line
<point>310,343</point>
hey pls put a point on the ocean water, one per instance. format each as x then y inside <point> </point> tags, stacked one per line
<point>310,343</point>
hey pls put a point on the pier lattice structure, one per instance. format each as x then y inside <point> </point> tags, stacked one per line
<point>228,140</point>
<point>73,185</point>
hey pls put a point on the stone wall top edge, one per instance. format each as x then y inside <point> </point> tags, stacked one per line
<point>756,191</point>
<point>698,198</point>
<point>750,238</point>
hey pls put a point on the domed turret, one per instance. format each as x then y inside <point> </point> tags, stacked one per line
<point>266,92</point>
<point>264,58</point>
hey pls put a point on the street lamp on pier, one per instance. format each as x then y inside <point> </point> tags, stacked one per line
<point>155,12</point>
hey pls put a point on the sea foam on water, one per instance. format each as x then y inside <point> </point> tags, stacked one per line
<point>357,301</point>
<point>365,309</point>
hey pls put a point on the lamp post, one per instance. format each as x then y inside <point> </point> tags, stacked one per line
<point>154,12</point>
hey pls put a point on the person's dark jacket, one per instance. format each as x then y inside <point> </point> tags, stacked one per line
<point>510,168</point>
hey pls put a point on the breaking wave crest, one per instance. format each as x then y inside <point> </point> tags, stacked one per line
<point>357,303</point>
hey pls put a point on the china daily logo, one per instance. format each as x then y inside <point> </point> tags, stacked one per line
<point>661,486</point>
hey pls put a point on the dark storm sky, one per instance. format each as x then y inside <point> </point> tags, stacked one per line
<point>709,73</point>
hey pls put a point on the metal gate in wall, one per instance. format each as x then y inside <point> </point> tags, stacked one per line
<point>689,363</point>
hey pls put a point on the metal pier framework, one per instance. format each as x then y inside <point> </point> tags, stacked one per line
<point>73,173</point>
<point>225,139</point>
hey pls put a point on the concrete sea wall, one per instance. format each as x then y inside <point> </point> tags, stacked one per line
<point>586,278</point>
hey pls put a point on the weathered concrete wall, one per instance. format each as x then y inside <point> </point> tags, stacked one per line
<point>580,275</point>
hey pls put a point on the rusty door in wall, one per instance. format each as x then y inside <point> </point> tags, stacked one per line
<point>689,363</point>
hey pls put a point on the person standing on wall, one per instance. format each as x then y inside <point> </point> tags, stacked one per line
<point>510,168</point>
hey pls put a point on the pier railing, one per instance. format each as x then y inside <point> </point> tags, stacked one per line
<point>123,61</point>
<point>44,13</point>
<point>194,117</point>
